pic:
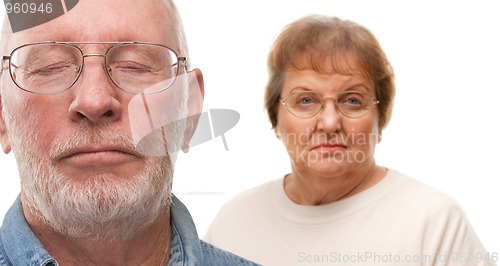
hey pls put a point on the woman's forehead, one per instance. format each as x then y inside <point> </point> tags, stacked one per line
<point>345,64</point>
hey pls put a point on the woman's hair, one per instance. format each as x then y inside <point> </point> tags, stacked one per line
<point>329,45</point>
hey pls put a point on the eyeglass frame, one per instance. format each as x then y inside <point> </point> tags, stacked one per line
<point>335,103</point>
<point>5,58</point>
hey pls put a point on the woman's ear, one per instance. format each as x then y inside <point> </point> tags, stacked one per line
<point>277,132</point>
<point>195,105</point>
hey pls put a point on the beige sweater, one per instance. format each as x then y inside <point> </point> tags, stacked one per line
<point>399,221</point>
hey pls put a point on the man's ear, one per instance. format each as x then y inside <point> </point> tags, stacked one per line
<point>195,105</point>
<point>4,139</point>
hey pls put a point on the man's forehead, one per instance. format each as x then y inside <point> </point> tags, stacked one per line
<point>110,20</point>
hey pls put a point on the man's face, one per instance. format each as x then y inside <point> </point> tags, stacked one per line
<point>76,158</point>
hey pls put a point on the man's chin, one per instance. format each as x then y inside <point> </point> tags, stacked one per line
<point>99,181</point>
<point>101,205</point>
<point>104,216</point>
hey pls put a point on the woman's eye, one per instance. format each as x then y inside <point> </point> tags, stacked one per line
<point>353,101</point>
<point>305,100</point>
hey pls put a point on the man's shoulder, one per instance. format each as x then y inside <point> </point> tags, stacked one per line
<point>3,259</point>
<point>213,255</point>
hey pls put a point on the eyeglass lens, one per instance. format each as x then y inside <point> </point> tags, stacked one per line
<point>306,104</point>
<point>52,68</point>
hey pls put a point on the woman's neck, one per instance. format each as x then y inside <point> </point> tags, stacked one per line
<point>306,188</point>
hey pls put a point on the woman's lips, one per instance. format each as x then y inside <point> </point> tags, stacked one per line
<point>330,147</point>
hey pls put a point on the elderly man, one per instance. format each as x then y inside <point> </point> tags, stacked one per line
<point>76,92</point>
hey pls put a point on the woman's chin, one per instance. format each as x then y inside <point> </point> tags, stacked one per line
<point>327,168</point>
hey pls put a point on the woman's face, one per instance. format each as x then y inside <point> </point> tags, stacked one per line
<point>329,143</point>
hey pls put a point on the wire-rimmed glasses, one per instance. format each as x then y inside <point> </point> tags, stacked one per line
<point>351,104</point>
<point>54,67</point>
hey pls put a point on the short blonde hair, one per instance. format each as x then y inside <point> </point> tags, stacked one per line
<point>325,44</point>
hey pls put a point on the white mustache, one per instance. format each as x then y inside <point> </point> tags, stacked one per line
<point>100,135</point>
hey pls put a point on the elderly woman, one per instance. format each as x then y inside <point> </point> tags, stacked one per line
<point>329,96</point>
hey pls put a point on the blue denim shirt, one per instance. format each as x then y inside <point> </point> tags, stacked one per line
<point>20,247</point>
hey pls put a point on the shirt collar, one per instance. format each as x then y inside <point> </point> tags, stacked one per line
<point>186,245</point>
<point>20,243</point>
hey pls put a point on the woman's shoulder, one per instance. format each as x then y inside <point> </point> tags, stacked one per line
<point>413,192</point>
<point>242,210</point>
<point>259,194</point>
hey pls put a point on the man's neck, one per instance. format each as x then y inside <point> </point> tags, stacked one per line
<point>150,246</point>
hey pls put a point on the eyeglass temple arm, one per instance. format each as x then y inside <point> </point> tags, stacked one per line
<point>183,59</point>
<point>4,59</point>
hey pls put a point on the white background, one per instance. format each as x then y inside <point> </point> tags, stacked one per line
<point>444,131</point>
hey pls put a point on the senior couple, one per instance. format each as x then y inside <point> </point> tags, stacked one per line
<point>80,97</point>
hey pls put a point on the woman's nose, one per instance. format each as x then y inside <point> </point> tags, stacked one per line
<point>329,118</point>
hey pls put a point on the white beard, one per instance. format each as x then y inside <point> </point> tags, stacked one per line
<point>96,206</point>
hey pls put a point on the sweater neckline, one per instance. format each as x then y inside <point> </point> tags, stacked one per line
<point>304,214</point>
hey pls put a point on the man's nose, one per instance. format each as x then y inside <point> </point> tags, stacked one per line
<point>96,97</point>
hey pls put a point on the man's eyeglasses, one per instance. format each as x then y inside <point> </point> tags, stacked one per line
<point>53,67</point>
<point>351,104</point>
